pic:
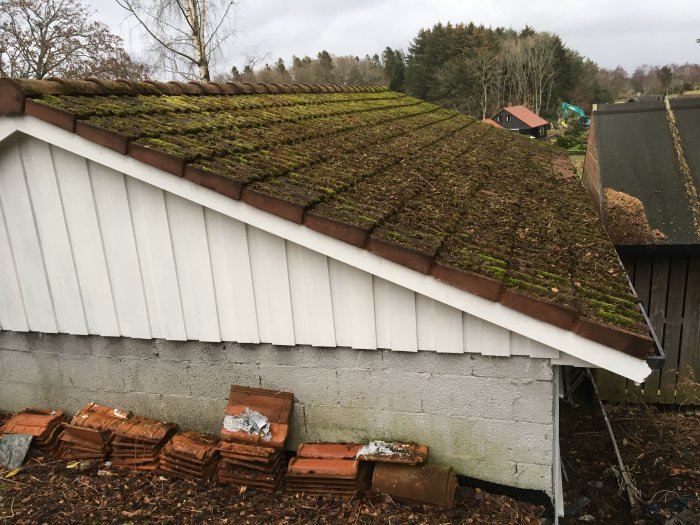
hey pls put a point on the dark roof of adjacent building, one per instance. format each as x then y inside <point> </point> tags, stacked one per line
<point>647,98</point>
<point>493,213</point>
<point>524,115</point>
<point>646,163</point>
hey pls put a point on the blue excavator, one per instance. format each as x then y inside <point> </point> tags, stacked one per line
<point>570,108</point>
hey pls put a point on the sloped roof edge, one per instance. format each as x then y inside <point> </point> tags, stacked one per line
<point>15,98</point>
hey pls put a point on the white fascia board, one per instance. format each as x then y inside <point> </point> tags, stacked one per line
<point>493,312</point>
<point>8,126</point>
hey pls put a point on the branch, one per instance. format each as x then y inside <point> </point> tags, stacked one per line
<point>126,5</point>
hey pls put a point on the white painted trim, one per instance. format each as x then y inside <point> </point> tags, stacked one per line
<point>562,340</point>
<point>7,127</point>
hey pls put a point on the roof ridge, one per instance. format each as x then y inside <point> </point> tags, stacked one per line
<point>94,86</point>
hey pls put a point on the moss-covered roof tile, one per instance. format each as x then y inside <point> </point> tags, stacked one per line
<point>412,179</point>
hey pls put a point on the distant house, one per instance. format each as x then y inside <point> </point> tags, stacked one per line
<point>642,169</point>
<point>522,120</point>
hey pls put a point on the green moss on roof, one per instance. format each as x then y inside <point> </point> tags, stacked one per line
<point>425,178</point>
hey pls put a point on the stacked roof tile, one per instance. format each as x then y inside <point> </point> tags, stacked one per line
<point>256,424</point>
<point>90,431</point>
<point>492,213</point>
<point>137,442</point>
<point>44,425</point>
<point>190,455</point>
<point>327,468</point>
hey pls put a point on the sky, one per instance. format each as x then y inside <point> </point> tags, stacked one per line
<point>610,32</point>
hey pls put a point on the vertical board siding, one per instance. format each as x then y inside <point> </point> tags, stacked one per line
<point>233,280</point>
<point>87,250</point>
<point>395,313</point>
<point>521,345</point>
<point>353,306</point>
<point>12,315</point>
<point>310,289</point>
<point>669,288</point>
<point>439,327</point>
<point>689,359</point>
<point>24,242</point>
<point>160,283</point>
<point>53,236</point>
<point>194,271</point>
<point>273,303</point>
<point>485,338</point>
<point>89,258</point>
<point>674,325</point>
<point>114,218</point>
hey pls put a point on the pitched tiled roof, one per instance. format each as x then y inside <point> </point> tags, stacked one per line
<point>492,213</point>
<point>525,115</point>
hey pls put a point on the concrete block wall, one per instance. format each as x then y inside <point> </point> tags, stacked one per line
<point>490,418</point>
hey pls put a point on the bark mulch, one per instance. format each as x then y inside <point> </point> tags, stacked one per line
<point>660,447</point>
<point>49,491</point>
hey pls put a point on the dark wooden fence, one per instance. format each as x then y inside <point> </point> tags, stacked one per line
<point>669,287</point>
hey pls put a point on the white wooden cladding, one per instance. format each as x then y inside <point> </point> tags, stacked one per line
<point>85,249</point>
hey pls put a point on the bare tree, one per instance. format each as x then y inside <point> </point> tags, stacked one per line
<point>187,35</point>
<point>529,64</point>
<point>40,38</point>
<point>484,69</point>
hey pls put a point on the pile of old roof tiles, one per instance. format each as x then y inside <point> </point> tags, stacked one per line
<point>327,468</point>
<point>256,424</point>
<point>44,425</point>
<point>190,455</point>
<point>137,442</point>
<point>89,433</point>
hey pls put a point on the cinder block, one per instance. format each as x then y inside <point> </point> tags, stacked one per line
<point>160,376</point>
<point>18,396</point>
<point>189,351</point>
<point>102,374</point>
<point>214,379</point>
<point>30,367</point>
<point>514,367</point>
<point>119,347</point>
<point>385,389</point>
<point>309,385</point>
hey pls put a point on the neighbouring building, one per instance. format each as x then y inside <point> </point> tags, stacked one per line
<point>407,272</point>
<point>642,169</point>
<point>522,120</point>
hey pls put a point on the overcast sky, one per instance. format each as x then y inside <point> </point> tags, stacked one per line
<point>610,32</point>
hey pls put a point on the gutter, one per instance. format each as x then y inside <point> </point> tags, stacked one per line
<point>657,360</point>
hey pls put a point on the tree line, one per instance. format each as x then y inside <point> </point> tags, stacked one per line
<point>468,67</point>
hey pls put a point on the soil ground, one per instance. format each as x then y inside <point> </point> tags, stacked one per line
<point>660,448</point>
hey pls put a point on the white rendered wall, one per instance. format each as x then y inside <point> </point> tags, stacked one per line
<point>89,250</point>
